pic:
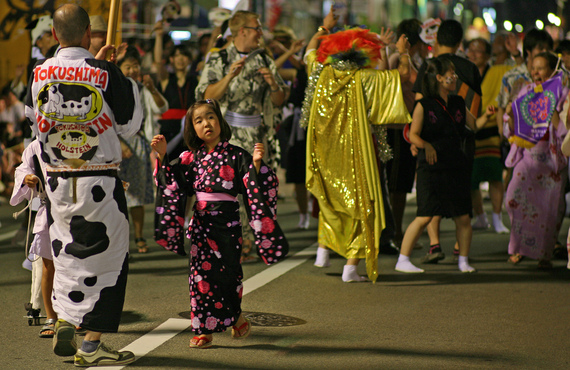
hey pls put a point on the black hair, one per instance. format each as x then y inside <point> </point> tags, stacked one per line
<point>221,41</point>
<point>191,137</point>
<point>131,53</point>
<point>485,43</point>
<point>435,66</point>
<point>534,38</point>
<point>563,46</point>
<point>183,50</point>
<point>411,28</point>
<point>450,33</point>
<point>550,57</point>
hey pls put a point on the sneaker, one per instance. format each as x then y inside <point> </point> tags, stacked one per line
<point>103,356</point>
<point>433,257</point>
<point>64,339</point>
<point>455,255</point>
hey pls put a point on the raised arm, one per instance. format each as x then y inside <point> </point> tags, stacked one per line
<point>328,24</point>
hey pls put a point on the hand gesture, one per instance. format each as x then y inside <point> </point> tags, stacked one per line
<point>121,51</point>
<point>296,46</point>
<point>511,44</point>
<point>258,152</point>
<point>158,28</point>
<point>431,155</point>
<point>158,144</point>
<point>268,77</point>
<point>331,19</point>
<point>148,83</point>
<point>403,45</point>
<point>236,67</point>
<point>386,36</point>
<point>490,110</point>
<point>31,181</point>
<point>102,54</point>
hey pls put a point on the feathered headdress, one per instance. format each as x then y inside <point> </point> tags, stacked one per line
<point>356,45</point>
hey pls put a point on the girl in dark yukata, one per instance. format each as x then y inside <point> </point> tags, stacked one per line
<point>216,172</point>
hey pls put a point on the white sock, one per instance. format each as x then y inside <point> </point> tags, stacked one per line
<point>349,274</point>
<point>464,265</point>
<point>323,259</point>
<point>498,224</point>
<point>481,221</point>
<point>405,265</point>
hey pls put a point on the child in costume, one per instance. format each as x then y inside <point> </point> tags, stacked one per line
<point>216,172</point>
<point>443,174</point>
<point>27,177</point>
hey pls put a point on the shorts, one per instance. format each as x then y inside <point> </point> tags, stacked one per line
<point>486,169</point>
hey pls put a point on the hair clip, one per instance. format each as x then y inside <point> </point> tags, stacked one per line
<point>209,101</point>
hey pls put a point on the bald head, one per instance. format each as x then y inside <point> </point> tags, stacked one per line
<point>70,22</point>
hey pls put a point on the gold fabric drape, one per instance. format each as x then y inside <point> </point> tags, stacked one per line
<point>342,168</point>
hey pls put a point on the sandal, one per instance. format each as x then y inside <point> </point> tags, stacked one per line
<point>515,258</point>
<point>544,265</point>
<point>48,330</point>
<point>200,342</point>
<point>141,245</point>
<point>243,331</point>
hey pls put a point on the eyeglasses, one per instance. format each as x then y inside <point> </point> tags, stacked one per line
<point>257,29</point>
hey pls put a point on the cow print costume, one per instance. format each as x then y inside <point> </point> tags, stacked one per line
<point>77,107</point>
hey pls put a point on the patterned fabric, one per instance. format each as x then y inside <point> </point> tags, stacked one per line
<point>215,275</point>
<point>535,196</point>
<point>137,171</point>
<point>247,94</point>
<point>513,81</point>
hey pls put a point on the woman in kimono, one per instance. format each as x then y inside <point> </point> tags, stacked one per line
<point>216,172</point>
<point>535,196</point>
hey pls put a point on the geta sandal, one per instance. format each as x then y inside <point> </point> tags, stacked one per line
<point>48,330</point>
<point>200,342</point>
<point>238,333</point>
<point>515,258</point>
<point>141,245</point>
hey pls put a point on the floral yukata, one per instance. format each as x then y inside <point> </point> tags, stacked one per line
<point>217,177</point>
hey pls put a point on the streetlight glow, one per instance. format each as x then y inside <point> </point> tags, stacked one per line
<point>539,24</point>
<point>508,25</point>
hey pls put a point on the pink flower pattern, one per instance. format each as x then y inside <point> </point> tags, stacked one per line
<point>215,230</point>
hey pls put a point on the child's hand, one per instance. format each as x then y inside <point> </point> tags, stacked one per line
<point>258,152</point>
<point>431,154</point>
<point>31,181</point>
<point>490,111</point>
<point>158,143</point>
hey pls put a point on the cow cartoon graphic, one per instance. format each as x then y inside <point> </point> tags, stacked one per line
<point>67,102</point>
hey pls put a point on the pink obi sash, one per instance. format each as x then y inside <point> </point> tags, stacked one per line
<point>214,197</point>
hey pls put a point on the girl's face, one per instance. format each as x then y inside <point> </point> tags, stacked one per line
<point>207,125</point>
<point>448,80</point>
<point>131,68</point>
<point>180,61</point>
<point>540,70</point>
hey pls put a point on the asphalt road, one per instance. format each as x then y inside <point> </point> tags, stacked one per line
<point>504,316</point>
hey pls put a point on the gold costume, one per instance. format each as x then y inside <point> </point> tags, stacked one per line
<point>342,168</point>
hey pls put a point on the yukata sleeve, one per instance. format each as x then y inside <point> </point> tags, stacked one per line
<point>212,73</point>
<point>260,190</point>
<point>21,191</point>
<point>173,181</point>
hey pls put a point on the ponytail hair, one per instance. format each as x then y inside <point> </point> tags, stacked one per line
<point>435,66</point>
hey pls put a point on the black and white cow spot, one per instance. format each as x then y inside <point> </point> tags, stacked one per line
<point>98,193</point>
<point>76,296</point>
<point>90,281</point>
<point>53,182</point>
<point>56,246</point>
<point>89,238</point>
<point>119,196</point>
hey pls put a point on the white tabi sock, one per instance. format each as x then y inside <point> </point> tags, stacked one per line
<point>464,265</point>
<point>498,225</point>
<point>405,265</point>
<point>322,258</point>
<point>350,275</point>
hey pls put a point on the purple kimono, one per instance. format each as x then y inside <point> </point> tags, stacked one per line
<point>217,177</point>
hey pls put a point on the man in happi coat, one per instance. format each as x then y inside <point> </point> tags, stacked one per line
<point>78,107</point>
<point>345,98</point>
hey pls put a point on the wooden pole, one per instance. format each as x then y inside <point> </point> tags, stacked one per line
<point>112,24</point>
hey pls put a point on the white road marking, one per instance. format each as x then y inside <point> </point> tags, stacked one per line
<point>172,327</point>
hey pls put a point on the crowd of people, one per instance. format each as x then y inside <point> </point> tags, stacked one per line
<point>411,110</point>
